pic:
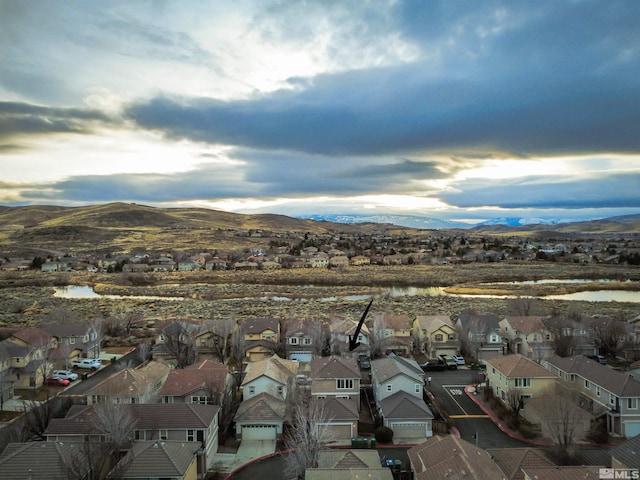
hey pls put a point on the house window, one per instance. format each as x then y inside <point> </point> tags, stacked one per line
<point>389,388</point>
<point>572,377</point>
<point>191,435</point>
<point>293,341</point>
<point>452,336</point>
<point>280,390</point>
<point>167,399</point>
<point>139,435</point>
<point>347,397</point>
<point>632,403</point>
<point>439,337</point>
<point>597,390</point>
<point>252,390</point>
<point>306,341</point>
<point>587,384</point>
<point>361,338</point>
<point>200,399</point>
<point>493,339</point>
<point>163,434</point>
<point>418,388</point>
<point>344,383</point>
<point>134,400</point>
<point>548,336</point>
<point>612,399</point>
<point>72,340</point>
<point>203,341</point>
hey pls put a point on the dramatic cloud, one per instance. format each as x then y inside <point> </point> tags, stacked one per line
<point>398,106</point>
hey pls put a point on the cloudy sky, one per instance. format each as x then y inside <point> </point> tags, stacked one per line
<point>455,109</point>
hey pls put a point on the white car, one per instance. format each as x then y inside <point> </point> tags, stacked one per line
<point>88,363</point>
<point>458,359</point>
<point>66,374</point>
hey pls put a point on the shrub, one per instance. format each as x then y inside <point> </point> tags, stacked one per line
<point>384,435</point>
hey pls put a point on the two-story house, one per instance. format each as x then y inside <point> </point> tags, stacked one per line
<point>265,388</point>
<point>527,336</point>
<point>437,335</point>
<point>340,331</point>
<point>335,389</point>
<point>74,341</point>
<point>185,422</point>
<point>261,336</point>
<point>174,343</point>
<point>131,385</point>
<point>30,353</point>
<point>305,340</point>
<point>604,391</point>
<point>480,336</point>
<point>398,390</point>
<point>516,376</point>
<point>205,382</point>
<point>396,334</point>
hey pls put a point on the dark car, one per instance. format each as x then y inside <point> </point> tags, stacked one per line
<point>601,359</point>
<point>433,366</point>
<point>57,381</point>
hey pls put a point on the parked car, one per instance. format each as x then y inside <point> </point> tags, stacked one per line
<point>459,359</point>
<point>451,364</point>
<point>601,359</point>
<point>66,374</point>
<point>88,363</point>
<point>57,381</point>
<point>431,366</point>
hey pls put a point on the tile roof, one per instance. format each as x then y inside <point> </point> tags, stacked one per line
<point>334,367</point>
<point>628,452</point>
<point>448,456</point>
<point>157,459</point>
<point>149,416</point>
<point>42,460</point>
<point>618,383</point>
<point>516,365</point>
<point>402,405</point>
<point>526,325</point>
<point>274,367</point>
<point>206,374</point>
<point>512,460</point>
<point>384,369</point>
<point>132,381</point>
<point>262,407</point>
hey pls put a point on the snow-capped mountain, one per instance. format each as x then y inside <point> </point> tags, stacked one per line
<point>520,221</point>
<point>410,221</point>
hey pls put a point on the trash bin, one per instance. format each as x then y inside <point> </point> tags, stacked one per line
<point>373,443</point>
<point>354,442</point>
<point>84,376</point>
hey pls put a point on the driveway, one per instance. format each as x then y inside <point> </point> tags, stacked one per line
<point>252,449</point>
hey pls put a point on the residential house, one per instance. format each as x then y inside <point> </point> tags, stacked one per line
<point>213,340</point>
<point>174,343</point>
<point>335,377</point>
<point>74,341</point>
<point>205,382</point>
<point>604,392</point>
<point>527,336</point>
<point>563,473</point>
<point>396,334</point>
<point>166,459</point>
<point>358,260</point>
<point>398,390</point>
<point>480,336</point>
<point>131,385</point>
<point>512,460</point>
<point>340,418</point>
<point>517,374</point>
<point>626,455</point>
<point>55,267</point>
<point>183,422</point>
<point>437,335</point>
<point>348,464</point>
<point>29,351</point>
<point>341,330</point>
<point>451,457</point>
<point>45,461</point>
<point>304,340</point>
<point>261,336</point>
<point>261,417</point>
<point>274,375</point>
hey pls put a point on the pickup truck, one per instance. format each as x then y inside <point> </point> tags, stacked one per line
<point>88,363</point>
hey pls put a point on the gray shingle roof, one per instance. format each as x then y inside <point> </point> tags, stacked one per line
<point>402,405</point>
<point>618,383</point>
<point>334,367</point>
<point>262,407</point>
<point>157,459</point>
<point>628,452</point>
<point>384,369</point>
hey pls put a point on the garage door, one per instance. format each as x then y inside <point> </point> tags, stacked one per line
<point>631,429</point>
<point>449,352</point>
<point>259,432</point>
<point>339,432</point>
<point>409,430</point>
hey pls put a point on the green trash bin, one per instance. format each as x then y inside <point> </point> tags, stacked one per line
<point>373,443</point>
<point>354,442</point>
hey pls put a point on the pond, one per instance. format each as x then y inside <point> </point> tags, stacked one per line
<point>87,292</point>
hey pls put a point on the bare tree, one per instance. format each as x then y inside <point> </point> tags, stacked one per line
<point>524,306</point>
<point>562,333</point>
<point>515,402</point>
<point>377,338</point>
<point>472,335</point>
<point>609,335</point>
<point>563,417</point>
<point>97,332</point>
<point>221,330</point>
<point>178,344</point>
<point>88,461</point>
<point>38,415</point>
<point>320,335</point>
<point>310,433</point>
<point>116,423</point>
<point>238,345</point>
<point>143,351</point>
<point>41,353</point>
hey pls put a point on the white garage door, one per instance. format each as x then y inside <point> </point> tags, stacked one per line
<point>408,430</point>
<point>631,429</point>
<point>259,432</point>
<point>339,432</point>
<point>449,352</point>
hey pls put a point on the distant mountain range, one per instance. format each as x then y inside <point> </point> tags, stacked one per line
<point>414,221</point>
